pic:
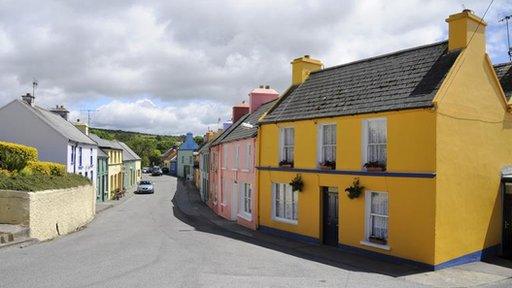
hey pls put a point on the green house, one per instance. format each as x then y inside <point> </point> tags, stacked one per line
<point>102,176</point>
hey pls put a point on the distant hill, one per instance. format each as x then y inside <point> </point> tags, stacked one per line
<point>148,146</point>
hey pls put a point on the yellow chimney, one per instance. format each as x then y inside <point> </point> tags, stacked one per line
<point>302,66</point>
<point>464,27</point>
<point>82,126</point>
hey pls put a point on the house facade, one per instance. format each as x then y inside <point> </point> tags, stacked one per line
<point>131,167</point>
<point>236,187</point>
<point>185,157</point>
<point>167,156</point>
<point>102,176</point>
<point>417,138</point>
<point>56,139</point>
<point>114,153</point>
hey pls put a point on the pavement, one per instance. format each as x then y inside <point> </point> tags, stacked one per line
<point>171,239</point>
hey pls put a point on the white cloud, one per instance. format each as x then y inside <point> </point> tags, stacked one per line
<point>199,53</point>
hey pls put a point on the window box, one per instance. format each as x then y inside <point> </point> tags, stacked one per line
<point>375,166</point>
<point>286,164</point>
<point>327,165</point>
<point>377,240</point>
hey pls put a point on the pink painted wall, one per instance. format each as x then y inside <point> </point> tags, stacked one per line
<point>229,203</point>
<point>260,96</point>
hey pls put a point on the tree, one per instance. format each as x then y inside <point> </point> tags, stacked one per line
<point>199,140</point>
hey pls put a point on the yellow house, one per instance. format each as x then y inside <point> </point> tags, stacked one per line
<point>114,152</point>
<point>423,134</point>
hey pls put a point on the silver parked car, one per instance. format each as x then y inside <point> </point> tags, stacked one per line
<point>145,186</point>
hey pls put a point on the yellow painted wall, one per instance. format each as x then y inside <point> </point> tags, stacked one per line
<point>473,144</point>
<point>411,148</point>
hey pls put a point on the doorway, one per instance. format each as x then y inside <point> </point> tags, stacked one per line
<point>507,219</point>
<point>330,215</point>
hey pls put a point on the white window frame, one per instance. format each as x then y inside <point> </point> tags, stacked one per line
<point>320,145</point>
<point>248,157</point>
<point>295,199</point>
<point>245,198</point>
<point>283,146</point>
<point>368,217</point>
<point>365,139</point>
<point>224,157</point>
<point>236,159</point>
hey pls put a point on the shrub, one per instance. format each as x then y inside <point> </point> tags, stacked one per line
<point>46,168</point>
<point>41,182</point>
<point>14,157</point>
<point>4,172</point>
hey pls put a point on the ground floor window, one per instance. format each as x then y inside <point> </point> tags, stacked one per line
<point>377,217</point>
<point>285,202</point>
<point>245,199</point>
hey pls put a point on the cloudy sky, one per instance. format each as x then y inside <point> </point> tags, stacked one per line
<point>172,66</point>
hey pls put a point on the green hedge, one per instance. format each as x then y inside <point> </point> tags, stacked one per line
<point>14,157</point>
<point>38,182</point>
<point>46,168</point>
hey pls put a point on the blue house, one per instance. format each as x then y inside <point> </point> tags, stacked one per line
<point>185,157</point>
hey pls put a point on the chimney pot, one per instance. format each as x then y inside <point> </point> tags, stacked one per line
<point>267,86</point>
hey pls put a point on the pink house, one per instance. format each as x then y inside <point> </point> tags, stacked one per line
<point>232,173</point>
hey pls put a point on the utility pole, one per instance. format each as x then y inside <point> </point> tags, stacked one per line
<point>34,86</point>
<point>89,115</point>
<point>506,19</point>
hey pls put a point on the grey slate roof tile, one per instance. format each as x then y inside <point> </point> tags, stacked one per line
<point>504,73</point>
<point>401,80</point>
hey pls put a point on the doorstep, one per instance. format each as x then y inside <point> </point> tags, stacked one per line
<point>11,235</point>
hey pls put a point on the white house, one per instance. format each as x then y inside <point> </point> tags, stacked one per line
<point>55,138</point>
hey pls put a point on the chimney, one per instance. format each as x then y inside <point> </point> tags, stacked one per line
<point>61,111</point>
<point>260,96</point>
<point>239,111</point>
<point>29,99</point>
<point>302,66</point>
<point>464,27</point>
<point>82,127</point>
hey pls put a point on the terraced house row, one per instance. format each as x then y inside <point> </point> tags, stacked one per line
<point>406,156</point>
<point>110,165</point>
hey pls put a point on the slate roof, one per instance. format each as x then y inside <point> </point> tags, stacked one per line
<point>59,124</point>
<point>226,132</point>
<point>102,153</point>
<point>105,143</point>
<point>504,72</point>
<point>242,132</point>
<point>401,80</point>
<point>128,153</point>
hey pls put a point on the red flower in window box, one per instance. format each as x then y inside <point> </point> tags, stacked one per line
<point>286,164</point>
<point>375,166</point>
<point>327,165</point>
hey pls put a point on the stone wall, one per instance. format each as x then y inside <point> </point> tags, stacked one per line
<point>49,213</point>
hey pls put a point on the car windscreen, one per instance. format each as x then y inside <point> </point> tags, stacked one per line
<point>144,183</point>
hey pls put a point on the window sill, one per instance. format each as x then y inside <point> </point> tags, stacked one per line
<point>284,220</point>
<point>223,204</point>
<point>245,216</point>
<point>234,169</point>
<point>375,245</point>
<point>245,170</point>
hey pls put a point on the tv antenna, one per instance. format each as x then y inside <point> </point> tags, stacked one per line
<point>89,115</point>
<point>506,19</point>
<point>34,86</point>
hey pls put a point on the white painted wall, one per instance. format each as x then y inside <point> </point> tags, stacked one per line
<point>87,168</point>
<point>19,125</point>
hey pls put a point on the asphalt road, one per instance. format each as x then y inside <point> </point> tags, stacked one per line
<point>146,242</point>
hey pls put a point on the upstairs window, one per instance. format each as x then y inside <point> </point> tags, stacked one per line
<point>248,156</point>
<point>327,145</point>
<point>79,156</point>
<point>236,159</point>
<point>375,142</point>
<point>224,156</point>
<point>287,145</point>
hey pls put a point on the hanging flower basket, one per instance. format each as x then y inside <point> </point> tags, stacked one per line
<point>355,189</point>
<point>297,183</point>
